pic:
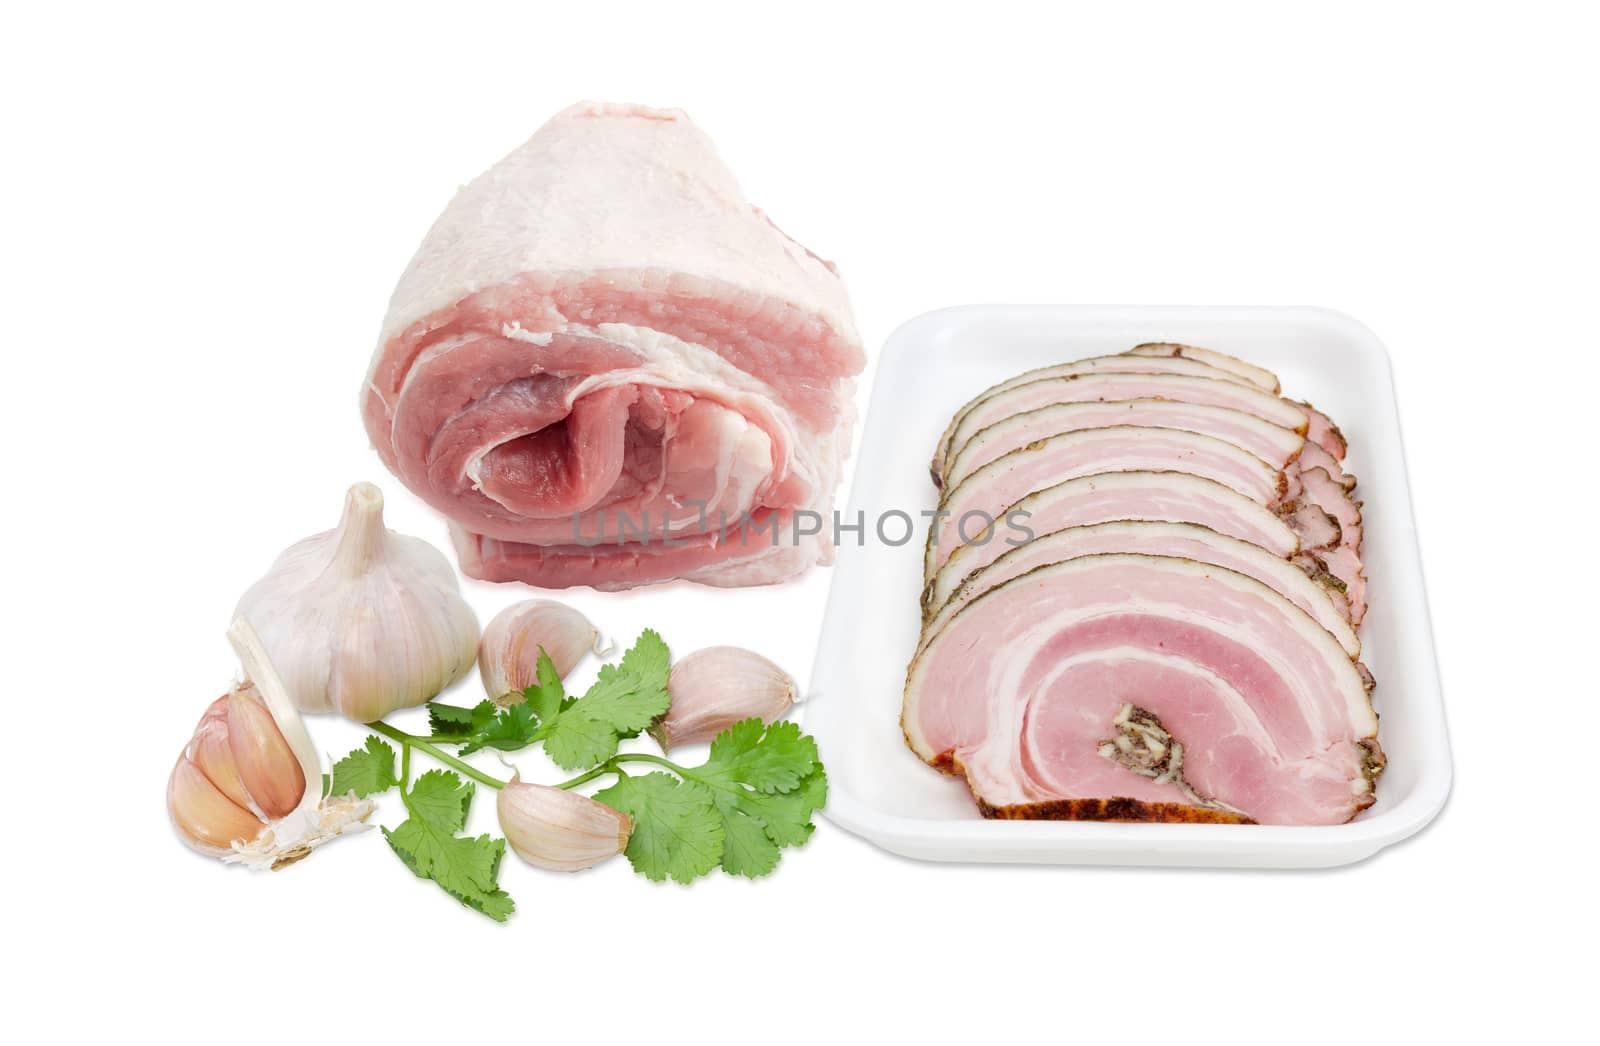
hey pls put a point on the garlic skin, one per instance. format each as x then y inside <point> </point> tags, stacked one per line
<point>714,688</point>
<point>560,830</point>
<point>508,655</point>
<point>360,620</point>
<point>238,790</point>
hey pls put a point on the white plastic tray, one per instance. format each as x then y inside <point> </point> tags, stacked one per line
<point>932,365</point>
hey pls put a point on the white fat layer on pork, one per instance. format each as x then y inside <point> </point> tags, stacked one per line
<point>620,187</point>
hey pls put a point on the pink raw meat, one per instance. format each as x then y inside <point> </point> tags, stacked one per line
<point>603,360</point>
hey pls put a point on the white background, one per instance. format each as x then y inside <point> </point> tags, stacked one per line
<point>204,214</point>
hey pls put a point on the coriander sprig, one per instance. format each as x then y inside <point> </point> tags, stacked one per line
<point>752,797</point>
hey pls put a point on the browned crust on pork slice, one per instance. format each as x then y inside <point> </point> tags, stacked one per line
<point>1114,809</point>
<point>1333,427</point>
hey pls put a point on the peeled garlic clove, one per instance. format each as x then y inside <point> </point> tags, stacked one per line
<point>508,655</point>
<point>207,818</point>
<point>714,688</point>
<point>560,830</point>
<point>266,764</point>
<point>361,620</point>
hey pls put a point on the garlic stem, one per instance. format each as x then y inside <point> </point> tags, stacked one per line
<point>360,529</point>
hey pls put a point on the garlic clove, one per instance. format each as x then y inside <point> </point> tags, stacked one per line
<point>560,830</point>
<point>266,764</point>
<point>361,620</point>
<point>206,817</point>
<point>210,751</point>
<point>508,654</point>
<point>714,688</point>
<point>240,791</point>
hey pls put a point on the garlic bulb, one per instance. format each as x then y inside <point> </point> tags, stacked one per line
<point>361,620</point>
<point>560,830</point>
<point>508,656</point>
<point>238,790</point>
<point>714,688</point>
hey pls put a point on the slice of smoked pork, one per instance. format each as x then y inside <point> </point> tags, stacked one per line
<point>1183,540</point>
<point>1313,456</point>
<point>1322,431</point>
<point>1120,364</point>
<point>1173,497</point>
<point>1275,445</point>
<point>1258,376</point>
<point>1091,388</point>
<point>602,323</point>
<point>1339,568</point>
<point>1069,690</point>
<point>1324,491</point>
<point>982,497</point>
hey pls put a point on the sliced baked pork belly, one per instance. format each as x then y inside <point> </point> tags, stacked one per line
<point>1166,496</point>
<point>1313,456</point>
<point>1091,388</point>
<point>983,496</point>
<point>1258,376</point>
<point>1137,687</point>
<point>1119,364</point>
<point>1322,431</point>
<point>1184,540</point>
<point>1274,444</point>
<point>1340,569</point>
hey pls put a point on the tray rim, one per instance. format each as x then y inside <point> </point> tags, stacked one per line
<point>1079,842</point>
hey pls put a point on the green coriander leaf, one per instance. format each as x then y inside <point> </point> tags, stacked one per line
<point>365,771</point>
<point>453,720</point>
<point>576,742</point>
<point>440,799</point>
<point>765,783</point>
<point>621,703</point>
<point>629,695</point>
<point>747,849</point>
<point>787,817</point>
<point>677,832</point>
<point>771,759</point>
<point>624,701</point>
<point>512,728</point>
<point>546,696</point>
<point>467,869</point>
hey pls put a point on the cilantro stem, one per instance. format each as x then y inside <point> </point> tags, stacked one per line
<point>646,757</point>
<point>610,767</point>
<point>413,741</point>
<point>603,768</point>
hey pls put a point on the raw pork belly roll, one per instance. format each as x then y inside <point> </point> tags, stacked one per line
<point>607,368</point>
